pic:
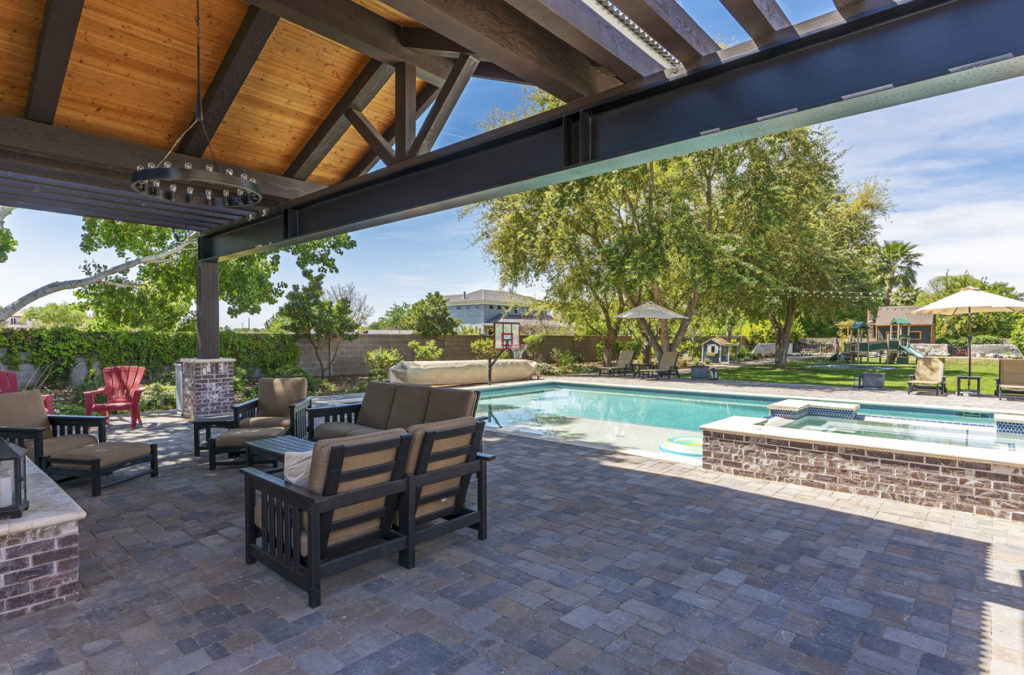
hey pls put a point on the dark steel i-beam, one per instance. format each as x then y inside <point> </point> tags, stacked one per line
<point>914,50</point>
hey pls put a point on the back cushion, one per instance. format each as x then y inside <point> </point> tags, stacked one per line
<point>322,454</point>
<point>376,404</point>
<point>275,394</point>
<point>447,404</point>
<point>410,405</point>
<point>418,431</point>
<point>24,409</point>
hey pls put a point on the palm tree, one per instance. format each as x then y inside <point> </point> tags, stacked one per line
<point>898,262</point>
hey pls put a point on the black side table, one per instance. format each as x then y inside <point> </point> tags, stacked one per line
<point>207,423</point>
<point>975,389</point>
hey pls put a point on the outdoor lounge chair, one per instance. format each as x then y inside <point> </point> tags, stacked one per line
<point>623,365</point>
<point>9,385</point>
<point>666,366</point>
<point>929,373</point>
<point>280,402</point>
<point>1011,378</point>
<point>122,390</point>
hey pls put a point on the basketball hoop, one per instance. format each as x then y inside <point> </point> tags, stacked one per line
<point>517,352</point>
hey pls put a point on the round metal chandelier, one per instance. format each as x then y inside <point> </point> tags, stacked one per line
<point>211,185</point>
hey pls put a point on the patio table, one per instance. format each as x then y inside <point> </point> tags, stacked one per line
<point>273,449</point>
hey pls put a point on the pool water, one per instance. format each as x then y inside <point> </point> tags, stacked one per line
<point>643,419</point>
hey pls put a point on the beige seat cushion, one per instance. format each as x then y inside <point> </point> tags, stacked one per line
<point>928,371</point>
<point>24,409</point>
<point>418,431</point>
<point>275,394</point>
<point>410,405</point>
<point>264,422</point>
<point>341,429</point>
<point>107,453</point>
<point>57,445</point>
<point>237,438</point>
<point>448,404</point>
<point>376,407</point>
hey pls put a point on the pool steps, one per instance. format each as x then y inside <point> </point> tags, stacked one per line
<point>794,409</point>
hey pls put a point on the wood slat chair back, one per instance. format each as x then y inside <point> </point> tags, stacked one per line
<point>120,382</point>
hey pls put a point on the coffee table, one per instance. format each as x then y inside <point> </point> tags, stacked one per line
<point>273,449</point>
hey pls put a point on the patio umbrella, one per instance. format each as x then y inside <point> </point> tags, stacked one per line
<point>971,301</point>
<point>649,310</point>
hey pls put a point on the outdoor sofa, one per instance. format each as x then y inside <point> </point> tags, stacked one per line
<point>62,446</point>
<point>1011,378</point>
<point>929,373</point>
<point>357,498</point>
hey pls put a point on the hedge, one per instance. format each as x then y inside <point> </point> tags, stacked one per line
<point>57,349</point>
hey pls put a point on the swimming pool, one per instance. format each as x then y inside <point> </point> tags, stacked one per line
<point>643,419</point>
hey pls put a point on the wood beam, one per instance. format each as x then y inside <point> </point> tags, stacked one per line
<point>447,97</point>
<point>245,48</point>
<point>426,40</point>
<point>498,33</point>
<point>207,310</point>
<point>668,23</point>
<point>763,20</point>
<point>405,109</point>
<point>53,51</point>
<point>367,84</point>
<point>349,24</point>
<point>378,145</point>
<point>590,32</point>
<point>423,100</point>
<point>490,71</point>
<point>850,8</point>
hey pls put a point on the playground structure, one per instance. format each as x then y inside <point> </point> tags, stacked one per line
<point>860,342</point>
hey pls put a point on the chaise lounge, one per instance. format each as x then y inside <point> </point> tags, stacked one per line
<point>1011,378</point>
<point>623,364</point>
<point>666,366</point>
<point>929,373</point>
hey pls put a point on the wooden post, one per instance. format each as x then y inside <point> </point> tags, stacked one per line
<point>207,310</point>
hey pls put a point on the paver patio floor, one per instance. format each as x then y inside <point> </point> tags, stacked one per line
<point>596,562</point>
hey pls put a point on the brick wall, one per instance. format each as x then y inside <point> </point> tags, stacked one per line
<point>984,488</point>
<point>39,569</point>
<point>207,387</point>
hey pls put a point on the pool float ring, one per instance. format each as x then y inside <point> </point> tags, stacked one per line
<point>687,446</point>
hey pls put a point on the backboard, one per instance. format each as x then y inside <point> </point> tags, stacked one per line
<point>506,335</point>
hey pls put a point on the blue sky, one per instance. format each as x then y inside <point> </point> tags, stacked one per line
<point>954,165</point>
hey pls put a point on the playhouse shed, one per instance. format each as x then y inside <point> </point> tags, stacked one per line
<point>715,350</point>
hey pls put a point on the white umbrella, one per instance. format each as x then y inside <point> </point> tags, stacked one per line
<point>649,310</point>
<point>971,301</point>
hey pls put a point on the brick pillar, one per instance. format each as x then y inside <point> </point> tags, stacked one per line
<point>207,387</point>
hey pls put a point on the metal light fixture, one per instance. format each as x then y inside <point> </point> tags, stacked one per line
<point>211,185</point>
<point>13,486</point>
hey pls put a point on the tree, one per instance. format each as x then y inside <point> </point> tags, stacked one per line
<point>8,244</point>
<point>396,318</point>
<point>307,311</point>
<point>359,307</point>
<point>430,316</point>
<point>154,286</point>
<point>56,314</point>
<point>897,264</point>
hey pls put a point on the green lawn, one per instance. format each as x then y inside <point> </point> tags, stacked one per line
<point>799,372</point>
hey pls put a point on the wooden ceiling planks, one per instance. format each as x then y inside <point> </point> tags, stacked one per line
<point>389,13</point>
<point>19,35</point>
<point>132,71</point>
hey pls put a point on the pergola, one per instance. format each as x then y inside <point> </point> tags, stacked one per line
<point>311,95</point>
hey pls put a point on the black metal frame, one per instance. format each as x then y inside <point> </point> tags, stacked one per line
<point>206,424</point>
<point>939,387</point>
<point>92,469</point>
<point>295,410</point>
<point>233,452</point>
<point>1000,393</point>
<point>345,412</point>
<point>657,373</point>
<point>60,425</point>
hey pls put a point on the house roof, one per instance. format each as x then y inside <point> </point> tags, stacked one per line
<point>488,296</point>
<point>887,314</point>
<point>718,340</point>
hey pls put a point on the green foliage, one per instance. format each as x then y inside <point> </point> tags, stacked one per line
<point>897,263</point>
<point>1017,334</point>
<point>430,316</point>
<point>158,396</point>
<point>564,358</point>
<point>8,244</point>
<point>289,370</point>
<point>534,345</point>
<point>380,361</point>
<point>55,314</point>
<point>428,351</point>
<point>396,318</point>
<point>986,339</point>
<point>321,320</point>
<point>59,348</point>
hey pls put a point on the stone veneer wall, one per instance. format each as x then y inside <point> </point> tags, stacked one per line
<point>207,387</point>
<point>39,569</point>
<point>974,487</point>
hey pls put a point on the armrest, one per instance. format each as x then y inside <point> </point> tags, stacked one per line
<point>330,413</point>
<point>34,434</point>
<point>48,403</point>
<point>137,395</point>
<point>317,503</point>
<point>486,457</point>
<point>93,392</point>
<point>243,410</point>
<point>63,424</point>
<point>298,419</point>
<point>301,405</point>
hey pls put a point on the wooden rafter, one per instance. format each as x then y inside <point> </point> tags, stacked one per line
<point>447,97</point>
<point>378,144</point>
<point>668,23</point>
<point>590,32</point>
<point>245,48</point>
<point>761,19</point>
<point>424,99</point>
<point>354,26</point>
<point>370,80</point>
<point>850,8</point>
<point>405,109</point>
<point>56,39</point>
<point>498,33</point>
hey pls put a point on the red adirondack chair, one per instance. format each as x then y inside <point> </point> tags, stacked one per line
<point>122,387</point>
<point>9,385</point>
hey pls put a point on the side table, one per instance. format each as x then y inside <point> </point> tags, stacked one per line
<point>970,389</point>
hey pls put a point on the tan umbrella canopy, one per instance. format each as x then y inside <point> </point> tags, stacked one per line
<point>649,310</point>
<point>971,301</point>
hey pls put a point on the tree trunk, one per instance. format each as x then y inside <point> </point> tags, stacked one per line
<point>783,329</point>
<point>684,324</point>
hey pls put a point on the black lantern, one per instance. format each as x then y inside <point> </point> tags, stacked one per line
<point>13,486</point>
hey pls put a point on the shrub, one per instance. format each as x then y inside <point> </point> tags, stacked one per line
<point>380,361</point>
<point>482,348</point>
<point>288,371</point>
<point>158,396</point>
<point>428,351</point>
<point>546,369</point>
<point>564,358</point>
<point>534,345</point>
<point>984,339</point>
